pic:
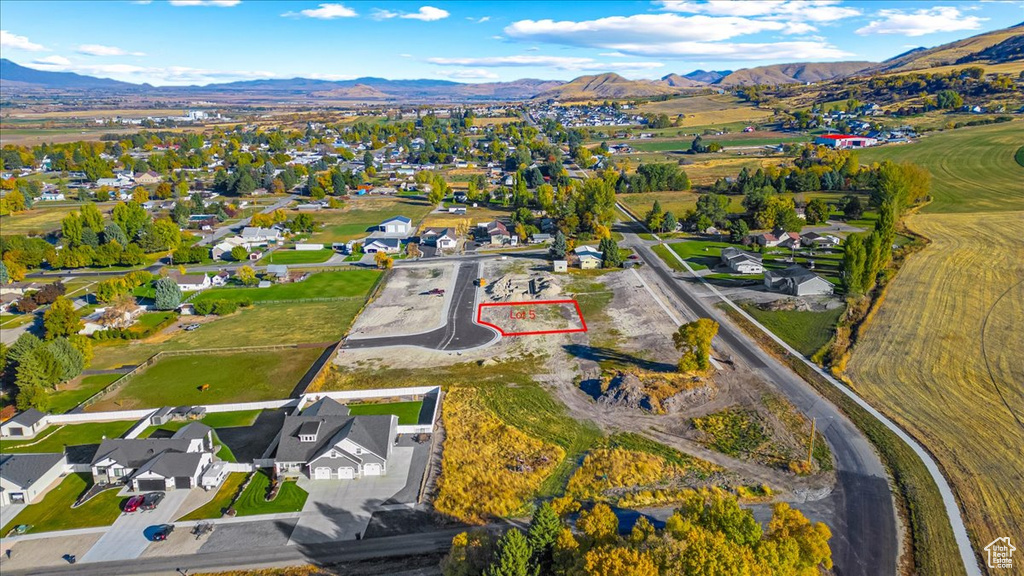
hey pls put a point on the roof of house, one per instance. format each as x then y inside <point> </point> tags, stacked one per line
<point>24,469</point>
<point>136,452</point>
<point>186,278</point>
<point>838,136</point>
<point>192,430</point>
<point>169,464</point>
<point>27,418</point>
<point>277,269</point>
<point>440,232</point>
<point>402,219</point>
<point>333,424</point>
<point>730,254</point>
<point>390,242</point>
<point>797,273</point>
<point>581,250</point>
<point>326,406</point>
<point>257,232</point>
<point>496,227</point>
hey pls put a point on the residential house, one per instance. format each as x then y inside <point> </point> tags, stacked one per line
<point>441,238</point>
<point>51,197</point>
<point>220,278</point>
<point>819,240</point>
<point>19,288</point>
<point>787,239</point>
<point>147,178</point>
<point>222,250</point>
<point>765,239</point>
<point>386,245</point>
<point>541,238</point>
<point>25,424</point>
<point>458,210</point>
<point>797,281</point>
<point>325,442</point>
<point>844,141</point>
<point>741,261</point>
<point>589,257</point>
<point>148,464</point>
<point>496,232</point>
<point>398,226</point>
<point>190,282</point>
<point>24,477</point>
<point>254,236</point>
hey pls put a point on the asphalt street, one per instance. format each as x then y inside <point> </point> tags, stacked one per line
<point>864,541</point>
<point>460,332</point>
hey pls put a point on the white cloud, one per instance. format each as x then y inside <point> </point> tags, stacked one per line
<point>101,50</point>
<point>480,20</point>
<point>219,3</point>
<point>736,51</point>
<point>13,41</point>
<point>559,62</point>
<point>52,61</point>
<point>921,22</point>
<point>425,13</point>
<point>469,74</point>
<point>812,10</point>
<point>324,12</point>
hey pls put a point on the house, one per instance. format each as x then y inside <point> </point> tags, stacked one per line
<point>399,226</point>
<point>819,241</point>
<point>386,245</point>
<point>148,464</point>
<point>279,272</point>
<point>741,261</point>
<point>541,238</point>
<point>765,239</point>
<point>52,197</point>
<point>787,239</point>
<point>24,425</point>
<point>147,178</point>
<point>19,288</point>
<point>442,238</point>
<point>325,442</point>
<point>842,141</point>
<point>220,278</point>
<point>797,281</point>
<point>254,236</point>
<point>24,477</point>
<point>589,257</point>
<point>190,282</point>
<point>496,231</point>
<point>224,247</point>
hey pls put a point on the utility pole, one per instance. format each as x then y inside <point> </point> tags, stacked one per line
<point>810,451</point>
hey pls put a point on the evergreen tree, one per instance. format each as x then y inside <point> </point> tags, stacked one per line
<point>167,295</point>
<point>113,233</point>
<point>544,529</point>
<point>669,223</point>
<point>70,361</point>
<point>558,247</point>
<point>610,257</point>
<point>512,557</point>
<point>5,276</point>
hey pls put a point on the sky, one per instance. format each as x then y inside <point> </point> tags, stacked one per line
<point>182,42</point>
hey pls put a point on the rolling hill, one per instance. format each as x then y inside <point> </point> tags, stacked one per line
<point>991,47</point>
<point>608,85</point>
<point>707,76</point>
<point>798,73</point>
<point>15,76</point>
<point>677,81</point>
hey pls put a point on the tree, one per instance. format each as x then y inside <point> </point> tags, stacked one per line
<point>302,223</point>
<point>70,361</point>
<point>738,230</point>
<point>412,250</point>
<point>669,222</point>
<point>167,295</point>
<point>948,99</point>
<point>811,539</point>
<point>693,339</point>
<point>610,257</point>
<point>817,211</point>
<point>239,254</point>
<point>653,218</point>
<point>5,276</point>
<point>854,258</point>
<point>113,233</point>
<point>852,207</point>
<point>71,230</point>
<point>599,524</point>
<point>544,528</point>
<point>558,247</point>
<point>247,276</point>
<point>565,556</point>
<point>61,319</point>
<point>512,557</point>
<point>383,260</point>
<point>606,561</point>
<point>471,553</point>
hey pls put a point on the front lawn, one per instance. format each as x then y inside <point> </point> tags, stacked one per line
<point>340,284</point>
<point>70,395</point>
<point>54,439</point>
<point>805,330</point>
<point>252,501</point>
<point>407,412</point>
<point>297,256</point>
<point>54,511</point>
<point>231,377</point>
<point>225,494</point>
<point>700,254</point>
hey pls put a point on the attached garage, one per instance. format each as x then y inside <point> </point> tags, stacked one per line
<point>151,485</point>
<point>182,482</point>
<point>322,473</point>
<point>371,470</point>
<point>346,473</point>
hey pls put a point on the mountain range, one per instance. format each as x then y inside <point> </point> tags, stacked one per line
<point>999,46</point>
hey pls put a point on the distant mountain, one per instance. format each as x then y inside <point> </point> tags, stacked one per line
<point>706,76</point>
<point>793,73</point>
<point>677,81</point>
<point>994,47</point>
<point>16,76</point>
<point>609,85</point>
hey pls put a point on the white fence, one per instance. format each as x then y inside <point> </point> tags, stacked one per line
<point>244,406</point>
<point>415,429</point>
<point>98,416</point>
<point>238,467</point>
<point>138,428</point>
<point>378,393</point>
<point>305,247</point>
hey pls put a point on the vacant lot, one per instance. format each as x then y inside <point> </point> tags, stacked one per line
<point>40,219</point>
<point>341,284</point>
<point>289,256</point>
<point>404,305</point>
<point>942,355</point>
<point>360,214</point>
<point>234,377</point>
<point>805,330</point>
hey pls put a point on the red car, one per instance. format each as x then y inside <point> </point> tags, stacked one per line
<point>133,504</point>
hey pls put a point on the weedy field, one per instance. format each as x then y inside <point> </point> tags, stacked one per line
<point>942,355</point>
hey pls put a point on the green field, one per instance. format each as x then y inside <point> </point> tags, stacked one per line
<point>341,284</point>
<point>225,494</point>
<point>700,254</point>
<point>232,377</point>
<point>407,412</point>
<point>214,420</point>
<point>75,393</point>
<point>297,256</point>
<point>54,438</point>
<point>361,214</point>
<point>40,219</point>
<point>805,330</point>
<point>54,511</point>
<point>252,501</point>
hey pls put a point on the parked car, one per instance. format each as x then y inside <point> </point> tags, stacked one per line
<point>163,532</point>
<point>436,292</point>
<point>191,327</point>
<point>152,500</point>
<point>133,504</point>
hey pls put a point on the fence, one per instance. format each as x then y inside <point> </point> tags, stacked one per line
<point>138,428</point>
<point>82,417</point>
<point>377,393</point>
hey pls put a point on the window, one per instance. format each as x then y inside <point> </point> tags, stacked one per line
<point>359,451</point>
<point>101,471</point>
<point>118,472</point>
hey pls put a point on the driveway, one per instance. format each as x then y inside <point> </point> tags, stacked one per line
<point>337,510</point>
<point>126,539</point>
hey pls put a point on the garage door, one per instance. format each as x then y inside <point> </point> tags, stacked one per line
<point>149,485</point>
<point>182,482</point>
<point>322,473</point>
<point>371,470</point>
<point>346,473</point>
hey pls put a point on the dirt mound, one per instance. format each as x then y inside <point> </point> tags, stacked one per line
<point>519,287</point>
<point>659,393</point>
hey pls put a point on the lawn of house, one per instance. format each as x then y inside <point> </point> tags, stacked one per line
<point>225,494</point>
<point>360,215</point>
<point>408,412</point>
<point>701,254</point>
<point>252,501</point>
<point>338,284</point>
<point>291,256</point>
<point>214,420</point>
<point>55,438</point>
<point>231,377</point>
<point>70,395</point>
<point>805,330</point>
<point>54,511</point>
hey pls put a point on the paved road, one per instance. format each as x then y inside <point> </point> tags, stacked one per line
<point>237,226</point>
<point>460,332</point>
<point>864,533</point>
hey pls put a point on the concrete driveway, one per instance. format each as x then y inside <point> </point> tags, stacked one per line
<point>126,539</point>
<point>337,510</point>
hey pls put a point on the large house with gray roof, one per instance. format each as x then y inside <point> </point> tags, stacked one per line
<point>24,477</point>
<point>156,463</point>
<point>24,425</point>
<point>797,281</point>
<point>325,442</point>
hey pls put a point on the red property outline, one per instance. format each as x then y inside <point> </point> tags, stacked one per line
<point>480,310</point>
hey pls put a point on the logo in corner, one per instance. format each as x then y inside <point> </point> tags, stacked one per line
<point>1000,553</point>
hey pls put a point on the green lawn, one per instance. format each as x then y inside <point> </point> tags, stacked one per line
<point>54,511</point>
<point>74,394</point>
<point>807,331</point>
<point>225,494</point>
<point>663,252</point>
<point>232,377</point>
<point>297,256</point>
<point>700,254</point>
<point>252,501</point>
<point>407,412</point>
<point>214,420</point>
<point>362,214</point>
<point>340,284</point>
<point>54,440</point>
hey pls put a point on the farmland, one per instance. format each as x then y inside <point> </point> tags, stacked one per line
<point>953,313</point>
<point>698,110</point>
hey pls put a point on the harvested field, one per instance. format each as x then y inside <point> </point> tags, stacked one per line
<point>700,110</point>
<point>404,305</point>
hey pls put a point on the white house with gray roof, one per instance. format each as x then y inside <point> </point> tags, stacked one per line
<point>24,425</point>
<point>148,464</point>
<point>797,281</point>
<point>24,477</point>
<point>325,442</point>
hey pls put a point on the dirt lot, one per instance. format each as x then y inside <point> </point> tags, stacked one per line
<point>44,552</point>
<point>405,306</point>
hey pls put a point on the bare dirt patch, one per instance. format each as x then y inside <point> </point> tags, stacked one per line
<point>405,304</point>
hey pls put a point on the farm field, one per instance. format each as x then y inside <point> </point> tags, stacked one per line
<point>71,395</point>
<point>714,109</point>
<point>952,316</point>
<point>339,284</point>
<point>231,377</point>
<point>360,214</point>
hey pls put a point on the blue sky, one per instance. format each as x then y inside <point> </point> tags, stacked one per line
<point>201,41</point>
